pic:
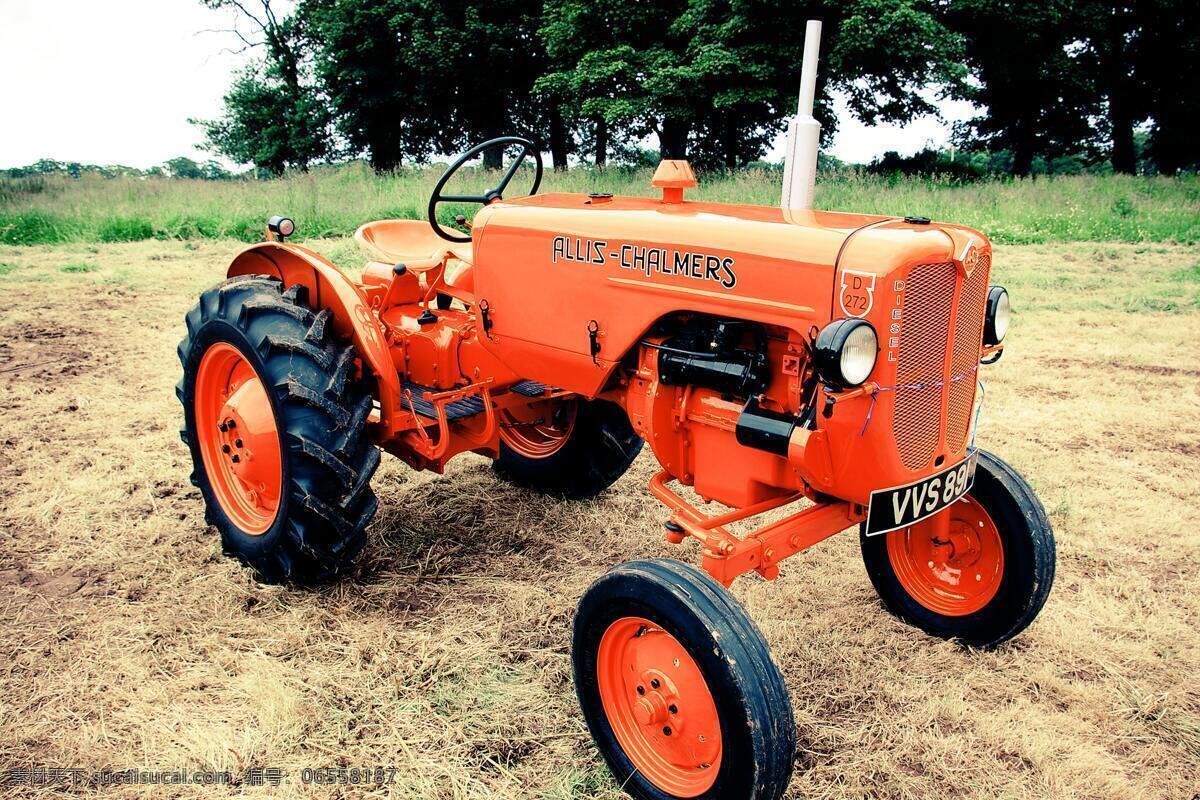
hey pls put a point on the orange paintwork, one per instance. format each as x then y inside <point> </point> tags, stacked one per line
<point>239,442</point>
<point>538,428</point>
<point>955,570</point>
<point>573,292</point>
<point>660,707</point>
<point>673,177</point>
<point>726,556</point>
<point>329,288</point>
<point>541,303</point>
<point>409,242</point>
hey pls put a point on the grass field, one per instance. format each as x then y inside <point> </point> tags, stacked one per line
<point>334,201</point>
<point>126,640</point>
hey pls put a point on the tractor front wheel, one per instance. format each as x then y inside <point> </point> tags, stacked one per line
<point>678,687</point>
<point>275,422</point>
<point>981,579</point>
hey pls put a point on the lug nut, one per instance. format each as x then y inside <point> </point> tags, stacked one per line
<point>237,442</point>
<point>232,424</point>
<point>234,458</point>
<point>641,690</point>
<point>224,448</point>
<point>654,683</point>
<point>674,709</point>
<point>667,731</point>
<point>223,427</point>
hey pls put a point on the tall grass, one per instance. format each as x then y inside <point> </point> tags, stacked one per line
<point>333,201</point>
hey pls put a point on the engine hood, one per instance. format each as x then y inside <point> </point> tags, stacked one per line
<point>811,236</point>
<point>552,266</point>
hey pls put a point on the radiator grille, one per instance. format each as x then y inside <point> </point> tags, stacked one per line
<point>968,336</point>
<point>921,362</point>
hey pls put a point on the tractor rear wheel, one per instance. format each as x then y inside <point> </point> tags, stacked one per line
<point>275,423</point>
<point>987,580</point>
<point>678,687</point>
<point>570,448</point>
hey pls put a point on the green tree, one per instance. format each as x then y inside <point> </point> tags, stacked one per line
<point>889,59</point>
<point>591,78</point>
<point>625,67</point>
<point>274,117</point>
<point>1167,60</point>
<point>1031,77</point>
<point>411,78</point>
<point>183,167</point>
<point>46,166</point>
<point>213,171</point>
<point>1111,34</point>
<point>717,79</point>
<point>266,125</point>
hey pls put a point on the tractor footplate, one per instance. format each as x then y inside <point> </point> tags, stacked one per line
<point>530,388</point>
<point>456,409</point>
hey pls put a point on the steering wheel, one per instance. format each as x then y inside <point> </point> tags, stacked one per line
<point>528,148</point>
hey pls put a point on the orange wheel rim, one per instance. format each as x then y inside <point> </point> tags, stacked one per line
<point>538,429</point>
<point>659,706</point>
<point>238,438</point>
<point>955,570</point>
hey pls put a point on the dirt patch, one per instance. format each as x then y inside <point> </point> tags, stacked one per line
<point>46,353</point>
<point>1142,369</point>
<point>53,585</point>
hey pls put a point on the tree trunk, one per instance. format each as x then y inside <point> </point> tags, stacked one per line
<point>382,161</point>
<point>672,138</point>
<point>1169,147</point>
<point>601,141</point>
<point>559,146</point>
<point>731,145</point>
<point>1023,148</point>
<point>1124,153</point>
<point>493,127</point>
<point>1120,100</point>
<point>383,148</point>
<point>493,157</point>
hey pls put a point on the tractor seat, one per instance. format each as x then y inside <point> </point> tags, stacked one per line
<point>409,242</point>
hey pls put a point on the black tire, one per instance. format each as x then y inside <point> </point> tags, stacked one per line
<point>1029,558</point>
<point>321,413</point>
<point>758,743</point>
<point>599,450</point>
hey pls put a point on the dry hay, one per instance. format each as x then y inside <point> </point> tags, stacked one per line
<point>128,641</point>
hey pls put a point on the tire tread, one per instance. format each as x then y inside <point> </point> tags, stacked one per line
<point>322,419</point>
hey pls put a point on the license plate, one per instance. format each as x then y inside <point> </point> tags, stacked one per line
<point>901,506</point>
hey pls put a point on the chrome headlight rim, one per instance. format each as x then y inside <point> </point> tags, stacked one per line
<point>998,316</point>
<point>831,346</point>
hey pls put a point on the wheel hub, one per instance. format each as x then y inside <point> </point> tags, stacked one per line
<point>660,708</point>
<point>238,438</point>
<point>538,429</point>
<point>955,571</point>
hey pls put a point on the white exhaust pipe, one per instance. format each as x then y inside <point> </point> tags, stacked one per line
<point>804,132</point>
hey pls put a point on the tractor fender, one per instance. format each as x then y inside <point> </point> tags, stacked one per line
<point>329,288</point>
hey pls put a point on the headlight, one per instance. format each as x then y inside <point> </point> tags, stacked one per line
<point>845,352</point>
<point>281,226</point>
<point>995,324</point>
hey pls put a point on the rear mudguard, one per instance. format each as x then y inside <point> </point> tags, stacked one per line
<point>329,288</point>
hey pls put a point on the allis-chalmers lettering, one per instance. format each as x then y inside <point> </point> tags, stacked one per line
<point>648,260</point>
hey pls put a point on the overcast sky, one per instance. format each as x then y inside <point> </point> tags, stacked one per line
<point>115,81</point>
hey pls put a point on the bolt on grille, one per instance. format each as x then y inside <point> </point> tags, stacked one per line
<point>939,340</point>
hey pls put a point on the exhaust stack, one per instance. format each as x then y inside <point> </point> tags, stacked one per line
<point>804,132</point>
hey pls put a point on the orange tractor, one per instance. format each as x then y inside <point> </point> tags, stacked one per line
<point>822,361</point>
